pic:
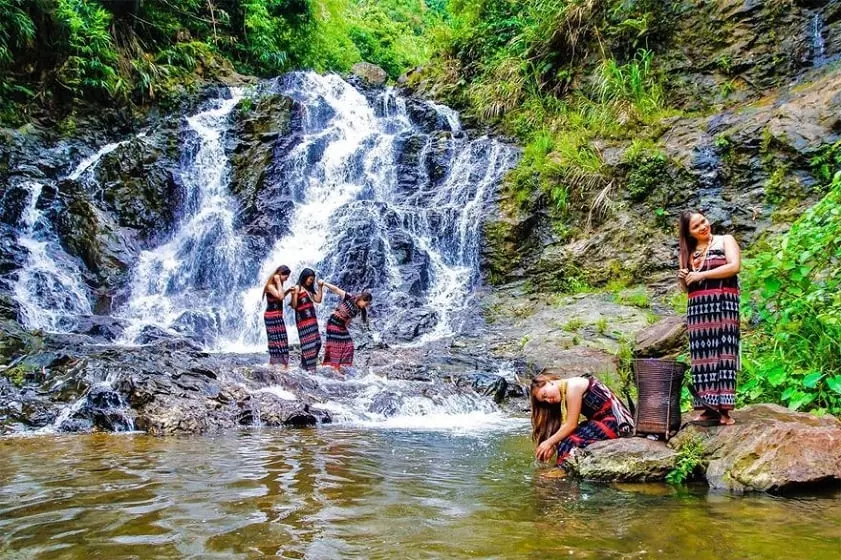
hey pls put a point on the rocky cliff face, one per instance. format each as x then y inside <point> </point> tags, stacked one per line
<point>756,86</point>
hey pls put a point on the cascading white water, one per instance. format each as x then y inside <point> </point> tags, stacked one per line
<point>336,196</point>
<point>818,43</point>
<point>49,286</point>
<point>188,279</point>
<point>90,162</point>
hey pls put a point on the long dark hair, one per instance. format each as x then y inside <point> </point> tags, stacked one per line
<point>306,273</point>
<point>546,418</point>
<point>365,295</point>
<point>686,241</point>
<point>282,269</point>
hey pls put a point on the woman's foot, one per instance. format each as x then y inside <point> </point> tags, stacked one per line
<point>706,418</point>
<point>726,419</point>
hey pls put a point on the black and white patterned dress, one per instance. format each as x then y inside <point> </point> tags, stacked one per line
<point>712,318</point>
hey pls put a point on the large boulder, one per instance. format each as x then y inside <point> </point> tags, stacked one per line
<point>370,73</point>
<point>771,448</point>
<point>665,338</point>
<point>624,460</point>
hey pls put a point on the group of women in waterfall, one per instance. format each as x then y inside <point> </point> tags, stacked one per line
<point>307,292</point>
<point>708,271</point>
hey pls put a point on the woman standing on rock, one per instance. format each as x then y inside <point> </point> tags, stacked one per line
<point>304,298</point>
<point>556,404</point>
<point>338,351</point>
<point>273,317</point>
<point>709,268</point>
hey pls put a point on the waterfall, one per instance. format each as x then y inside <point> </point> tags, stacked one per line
<point>185,283</point>
<point>49,285</point>
<point>368,213</point>
<point>818,44</point>
<point>376,200</point>
<point>379,191</point>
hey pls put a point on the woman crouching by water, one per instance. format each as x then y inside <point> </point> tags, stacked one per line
<point>338,351</point>
<point>273,317</point>
<point>556,404</point>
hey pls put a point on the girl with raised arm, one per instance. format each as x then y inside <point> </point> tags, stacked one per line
<point>339,349</point>
<point>709,268</point>
<point>273,316</point>
<point>304,298</point>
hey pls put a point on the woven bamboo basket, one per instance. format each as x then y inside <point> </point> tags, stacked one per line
<point>658,387</point>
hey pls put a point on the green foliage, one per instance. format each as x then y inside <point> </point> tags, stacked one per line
<point>601,325</point>
<point>91,64</point>
<point>17,29</point>
<point>574,324</point>
<point>648,168</point>
<point>634,83</point>
<point>793,355</point>
<point>105,50</point>
<point>637,297</point>
<point>827,162</point>
<point>396,35</point>
<point>690,455</point>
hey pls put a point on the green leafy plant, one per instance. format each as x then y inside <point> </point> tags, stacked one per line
<point>648,169</point>
<point>793,355</point>
<point>91,64</point>
<point>690,456</point>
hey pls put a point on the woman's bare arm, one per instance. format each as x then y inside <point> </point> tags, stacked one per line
<point>336,290</point>
<point>734,261</point>
<point>574,396</point>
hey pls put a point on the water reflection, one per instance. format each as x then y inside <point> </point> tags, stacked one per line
<point>351,493</point>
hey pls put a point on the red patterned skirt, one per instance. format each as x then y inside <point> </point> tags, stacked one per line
<point>338,350</point>
<point>276,334</point>
<point>308,334</point>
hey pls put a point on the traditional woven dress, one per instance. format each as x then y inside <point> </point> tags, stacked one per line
<point>276,331</point>
<point>712,318</point>
<point>607,418</point>
<point>338,350</point>
<point>308,334</point>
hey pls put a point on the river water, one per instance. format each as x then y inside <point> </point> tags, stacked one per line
<point>357,492</point>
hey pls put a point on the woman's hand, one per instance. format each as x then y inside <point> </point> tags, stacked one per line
<point>545,450</point>
<point>693,277</point>
<point>320,283</point>
<point>681,274</point>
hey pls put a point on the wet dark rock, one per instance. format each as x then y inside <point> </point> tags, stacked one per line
<point>140,186</point>
<point>424,116</point>
<point>103,327</point>
<point>85,232</point>
<point>491,385</point>
<point>386,403</point>
<point>264,133</point>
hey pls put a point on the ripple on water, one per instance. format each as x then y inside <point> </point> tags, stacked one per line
<point>351,492</point>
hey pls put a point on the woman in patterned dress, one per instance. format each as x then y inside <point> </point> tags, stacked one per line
<point>338,350</point>
<point>556,404</point>
<point>304,298</point>
<point>709,268</point>
<point>273,316</point>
